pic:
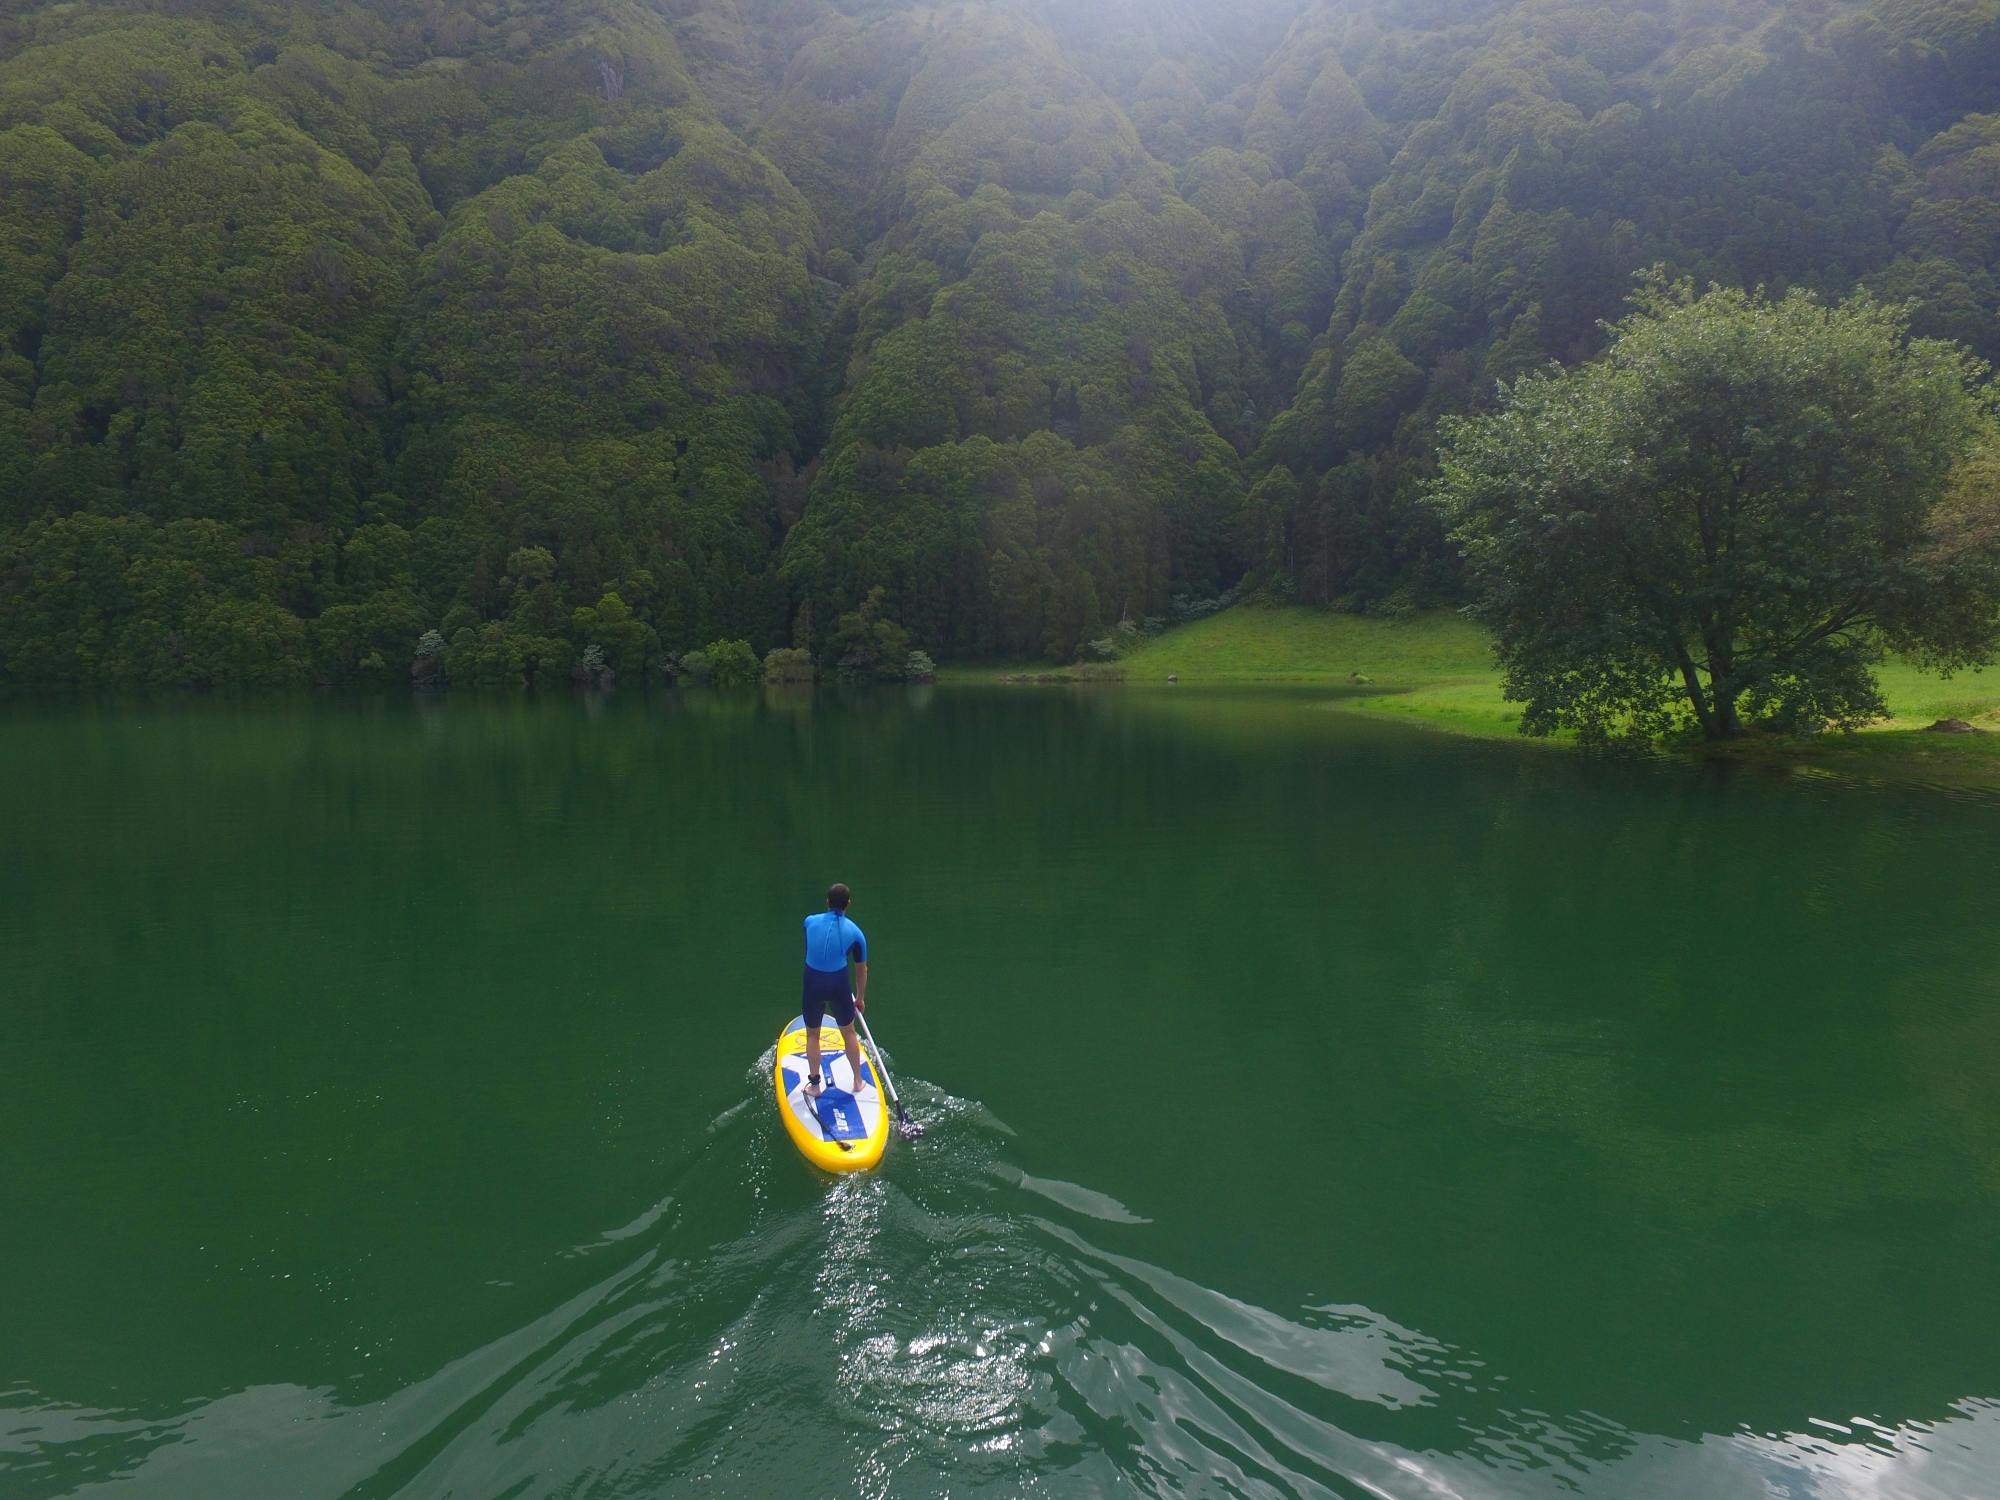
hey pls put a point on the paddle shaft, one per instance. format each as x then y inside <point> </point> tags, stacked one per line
<point>876,1053</point>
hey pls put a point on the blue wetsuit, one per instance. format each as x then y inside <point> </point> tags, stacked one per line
<point>830,940</point>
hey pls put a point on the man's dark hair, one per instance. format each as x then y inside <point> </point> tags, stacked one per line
<point>836,897</point>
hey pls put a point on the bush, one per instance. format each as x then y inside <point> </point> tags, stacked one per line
<point>496,656</point>
<point>919,667</point>
<point>868,644</point>
<point>723,664</point>
<point>427,670</point>
<point>592,670</point>
<point>786,664</point>
<point>1185,609</point>
<point>622,641</point>
<point>361,640</point>
<point>547,659</point>
<point>488,657</point>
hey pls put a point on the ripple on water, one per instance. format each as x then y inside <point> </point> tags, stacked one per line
<point>944,1325</point>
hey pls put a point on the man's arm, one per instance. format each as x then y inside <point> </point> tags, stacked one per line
<point>860,984</point>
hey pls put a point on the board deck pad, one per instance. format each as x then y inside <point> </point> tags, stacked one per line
<point>846,1127</point>
<point>839,1113</point>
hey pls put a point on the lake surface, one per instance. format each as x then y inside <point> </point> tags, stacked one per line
<point>1316,1107</point>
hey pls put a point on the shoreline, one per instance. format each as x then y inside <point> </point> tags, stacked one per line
<point>1433,671</point>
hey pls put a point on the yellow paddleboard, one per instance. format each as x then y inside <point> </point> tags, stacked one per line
<point>845,1129</point>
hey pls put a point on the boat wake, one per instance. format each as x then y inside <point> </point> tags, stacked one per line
<point>948,1324</point>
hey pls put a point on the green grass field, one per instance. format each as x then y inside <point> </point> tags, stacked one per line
<point>1437,668</point>
<point>1288,644</point>
<point>1917,698</point>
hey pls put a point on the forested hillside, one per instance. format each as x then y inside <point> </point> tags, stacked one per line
<point>640,324</point>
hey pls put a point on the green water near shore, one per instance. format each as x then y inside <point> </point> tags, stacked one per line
<point>1317,1107</point>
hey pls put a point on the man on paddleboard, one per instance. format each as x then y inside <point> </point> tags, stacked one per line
<point>831,939</point>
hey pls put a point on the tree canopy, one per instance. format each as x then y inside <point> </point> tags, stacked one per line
<point>1734,509</point>
<point>325,327</point>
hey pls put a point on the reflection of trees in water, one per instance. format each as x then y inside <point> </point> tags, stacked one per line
<point>1669,1098</point>
<point>1740,1036</point>
<point>1694,962</point>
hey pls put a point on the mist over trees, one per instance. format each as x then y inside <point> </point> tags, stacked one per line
<point>610,329</point>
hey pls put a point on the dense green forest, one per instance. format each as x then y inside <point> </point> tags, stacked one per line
<point>501,336</point>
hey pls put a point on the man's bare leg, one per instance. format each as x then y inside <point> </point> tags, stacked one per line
<point>812,1061</point>
<point>853,1054</point>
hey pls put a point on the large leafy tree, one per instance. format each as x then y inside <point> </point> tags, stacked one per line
<point>1730,515</point>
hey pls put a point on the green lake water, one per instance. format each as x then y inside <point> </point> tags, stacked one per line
<point>1316,1107</point>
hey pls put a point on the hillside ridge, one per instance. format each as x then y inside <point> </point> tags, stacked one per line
<point>637,326</point>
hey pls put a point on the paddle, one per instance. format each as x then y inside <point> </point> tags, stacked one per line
<point>907,1128</point>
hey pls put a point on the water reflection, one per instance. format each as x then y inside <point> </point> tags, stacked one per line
<point>1383,1114</point>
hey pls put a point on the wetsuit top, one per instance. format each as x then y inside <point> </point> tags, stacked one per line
<point>830,938</point>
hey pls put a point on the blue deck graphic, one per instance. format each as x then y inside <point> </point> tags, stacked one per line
<point>836,1112</point>
<point>840,1116</point>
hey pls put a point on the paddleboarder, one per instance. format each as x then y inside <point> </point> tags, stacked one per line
<point>831,940</point>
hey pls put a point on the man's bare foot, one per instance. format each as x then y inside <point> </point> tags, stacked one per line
<point>812,1089</point>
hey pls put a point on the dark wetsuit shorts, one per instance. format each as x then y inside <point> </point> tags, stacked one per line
<point>825,993</point>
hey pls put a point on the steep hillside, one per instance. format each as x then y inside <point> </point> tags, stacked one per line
<point>638,325</point>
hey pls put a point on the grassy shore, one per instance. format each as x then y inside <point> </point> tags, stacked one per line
<point>1437,666</point>
<point>1437,669</point>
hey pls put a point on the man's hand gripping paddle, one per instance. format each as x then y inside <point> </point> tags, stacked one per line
<point>907,1128</point>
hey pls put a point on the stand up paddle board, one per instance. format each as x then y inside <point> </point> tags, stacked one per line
<point>845,1128</point>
